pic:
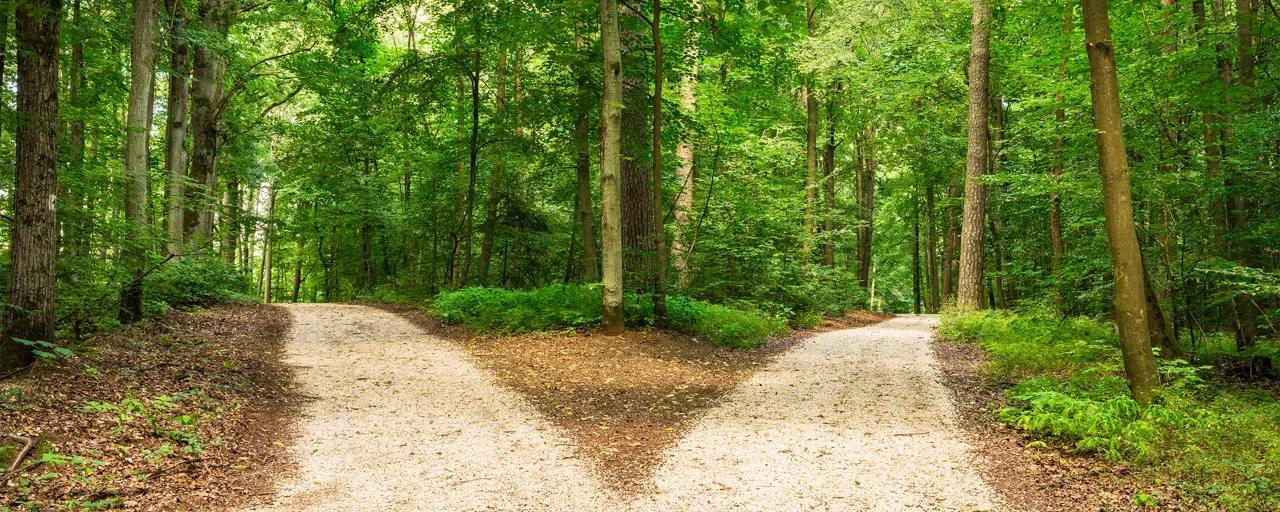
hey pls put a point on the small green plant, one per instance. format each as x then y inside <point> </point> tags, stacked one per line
<point>45,350</point>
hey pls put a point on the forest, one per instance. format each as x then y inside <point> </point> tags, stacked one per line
<point>1089,191</point>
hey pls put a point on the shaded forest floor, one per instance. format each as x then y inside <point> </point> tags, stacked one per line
<point>182,412</point>
<point>624,400</point>
<point>1044,479</point>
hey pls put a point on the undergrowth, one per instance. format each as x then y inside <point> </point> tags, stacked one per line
<point>561,307</point>
<point>1216,442</point>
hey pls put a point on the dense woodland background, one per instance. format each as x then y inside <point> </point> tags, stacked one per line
<point>810,158</point>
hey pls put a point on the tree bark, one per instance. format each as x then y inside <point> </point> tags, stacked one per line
<point>231,221</point>
<point>969,295</point>
<point>610,168</point>
<point>684,153</point>
<point>1126,256</point>
<point>297,266</point>
<point>493,197</point>
<point>75,244</point>
<point>203,175</point>
<point>1247,310</point>
<point>659,231</point>
<point>34,245</point>
<point>866,204</point>
<point>810,149</point>
<point>176,128</point>
<point>142,68</point>
<point>586,209</point>
<point>460,278</point>
<point>829,188</point>
<point>268,243</point>
<point>931,252</point>
<point>951,246</point>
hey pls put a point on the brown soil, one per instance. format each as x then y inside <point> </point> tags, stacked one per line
<point>623,399</point>
<point>1046,479</point>
<point>230,394</point>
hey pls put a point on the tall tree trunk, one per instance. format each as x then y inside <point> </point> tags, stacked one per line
<point>203,175</point>
<point>866,204</point>
<point>460,278</point>
<point>931,253</point>
<point>297,267</point>
<point>829,188</point>
<point>493,197</point>
<point>586,210</point>
<point>951,246</point>
<point>810,148</point>
<point>684,153</point>
<point>176,128</point>
<point>231,220</point>
<point>636,175</point>
<point>1247,310</point>
<point>969,295</point>
<point>610,168</point>
<point>1126,256</point>
<point>915,250</point>
<point>75,242</point>
<point>34,245</point>
<point>142,68</point>
<point>268,243</point>
<point>659,231</point>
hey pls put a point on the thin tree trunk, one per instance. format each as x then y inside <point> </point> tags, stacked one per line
<point>142,68</point>
<point>866,205</point>
<point>684,153</point>
<point>951,247</point>
<point>931,253</point>
<point>1247,310</point>
<point>230,220</point>
<point>1126,256</point>
<point>969,295</point>
<point>176,128</point>
<point>34,245</point>
<point>460,279</point>
<point>810,149</point>
<point>659,231</point>
<point>610,168</point>
<point>829,188</point>
<point>297,267</point>
<point>75,244</point>
<point>268,243</point>
<point>915,250</point>
<point>493,197</point>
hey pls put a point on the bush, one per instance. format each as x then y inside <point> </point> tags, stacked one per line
<point>559,307</point>
<point>186,283</point>
<point>1218,442</point>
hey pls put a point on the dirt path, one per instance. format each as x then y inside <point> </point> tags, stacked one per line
<point>403,421</point>
<point>851,420</point>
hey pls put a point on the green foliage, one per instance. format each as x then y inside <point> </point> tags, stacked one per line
<point>1218,442</point>
<point>186,283</point>
<point>559,307</point>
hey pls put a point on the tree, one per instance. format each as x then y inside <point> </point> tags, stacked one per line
<point>206,96</point>
<point>810,146</point>
<point>30,315</point>
<point>972,233</point>
<point>659,234</point>
<point>1122,237</point>
<point>610,167</point>
<point>176,128</point>
<point>142,68</point>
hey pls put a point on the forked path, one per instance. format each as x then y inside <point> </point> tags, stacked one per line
<point>850,420</point>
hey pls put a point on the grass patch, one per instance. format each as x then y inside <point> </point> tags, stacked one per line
<point>561,307</point>
<point>1216,443</point>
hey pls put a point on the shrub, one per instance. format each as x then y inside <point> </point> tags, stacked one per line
<point>1218,442</point>
<point>558,307</point>
<point>196,282</point>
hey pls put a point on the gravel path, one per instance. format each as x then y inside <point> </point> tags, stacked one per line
<point>850,420</point>
<point>404,422</point>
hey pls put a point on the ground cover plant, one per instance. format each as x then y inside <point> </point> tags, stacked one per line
<point>1211,440</point>
<point>561,307</point>
<point>183,411</point>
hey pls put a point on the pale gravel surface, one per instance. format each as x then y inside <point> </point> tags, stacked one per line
<point>403,421</point>
<point>850,420</point>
